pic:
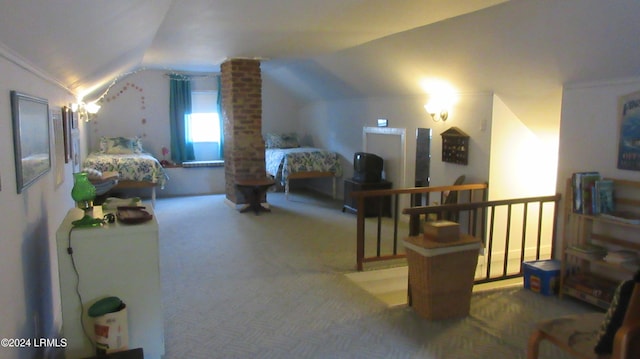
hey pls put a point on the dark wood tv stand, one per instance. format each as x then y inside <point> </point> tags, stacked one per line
<point>372,206</point>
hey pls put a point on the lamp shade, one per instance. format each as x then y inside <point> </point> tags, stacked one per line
<point>83,191</point>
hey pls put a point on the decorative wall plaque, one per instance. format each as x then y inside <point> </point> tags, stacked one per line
<point>455,146</point>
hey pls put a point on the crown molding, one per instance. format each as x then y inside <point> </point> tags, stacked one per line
<point>14,58</point>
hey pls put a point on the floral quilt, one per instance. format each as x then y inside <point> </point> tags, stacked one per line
<point>132,167</point>
<point>281,162</point>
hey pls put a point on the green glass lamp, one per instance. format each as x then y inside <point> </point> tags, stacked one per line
<point>83,191</point>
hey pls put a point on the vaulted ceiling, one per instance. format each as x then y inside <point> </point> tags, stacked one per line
<point>83,44</point>
<point>522,50</point>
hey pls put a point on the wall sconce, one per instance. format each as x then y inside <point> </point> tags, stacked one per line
<point>85,109</point>
<point>437,113</point>
<point>92,107</point>
<point>442,97</point>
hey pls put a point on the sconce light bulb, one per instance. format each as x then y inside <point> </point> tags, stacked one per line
<point>92,107</point>
<point>444,114</point>
<point>430,108</point>
<point>436,113</point>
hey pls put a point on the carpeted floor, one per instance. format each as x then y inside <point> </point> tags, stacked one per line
<point>390,285</point>
<point>274,286</point>
<point>387,285</point>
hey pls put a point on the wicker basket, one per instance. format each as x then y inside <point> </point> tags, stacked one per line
<point>441,284</point>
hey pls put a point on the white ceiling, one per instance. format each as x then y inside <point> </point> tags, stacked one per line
<point>524,51</point>
<point>83,44</point>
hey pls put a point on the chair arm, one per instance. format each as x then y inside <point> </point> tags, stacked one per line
<point>626,343</point>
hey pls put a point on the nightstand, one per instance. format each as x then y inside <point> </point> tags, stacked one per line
<point>373,205</point>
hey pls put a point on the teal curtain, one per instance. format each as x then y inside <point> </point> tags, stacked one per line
<point>221,117</point>
<point>179,110</point>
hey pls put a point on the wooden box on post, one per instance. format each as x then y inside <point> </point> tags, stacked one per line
<point>442,231</point>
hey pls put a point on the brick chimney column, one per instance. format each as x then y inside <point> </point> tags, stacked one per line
<point>242,112</point>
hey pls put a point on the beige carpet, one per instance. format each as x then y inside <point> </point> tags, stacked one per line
<point>387,285</point>
<point>390,285</point>
<point>273,286</point>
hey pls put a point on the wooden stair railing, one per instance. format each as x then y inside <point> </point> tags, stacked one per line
<point>477,221</point>
<point>477,217</point>
<point>475,191</point>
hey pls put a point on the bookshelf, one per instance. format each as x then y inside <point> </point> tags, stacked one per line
<point>593,245</point>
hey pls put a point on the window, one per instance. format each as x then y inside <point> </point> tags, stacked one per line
<point>203,126</point>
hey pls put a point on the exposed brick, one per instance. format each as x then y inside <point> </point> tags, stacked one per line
<point>242,104</point>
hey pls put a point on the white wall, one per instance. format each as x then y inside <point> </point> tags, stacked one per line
<point>337,125</point>
<point>138,105</point>
<point>279,108</point>
<point>193,181</point>
<point>29,299</point>
<point>589,131</point>
<point>523,164</point>
<point>523,161</point>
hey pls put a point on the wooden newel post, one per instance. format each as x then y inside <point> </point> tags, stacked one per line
<point>414,224</point>
<point>360,234</point>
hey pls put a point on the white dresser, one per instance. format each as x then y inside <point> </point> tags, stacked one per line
<point>119,260</point>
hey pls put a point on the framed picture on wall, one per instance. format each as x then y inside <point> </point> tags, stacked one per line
<point>32,146</point>
<point>67,116</point>
<point>75,149</point>
<point>629,132</point>
<point>74,120</point>
<point>58,137</point>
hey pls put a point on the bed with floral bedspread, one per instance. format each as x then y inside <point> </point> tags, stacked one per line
<point>136,167</point>
<point>285,164</point>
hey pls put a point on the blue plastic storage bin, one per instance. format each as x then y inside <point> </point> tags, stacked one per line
<point>542,276</point>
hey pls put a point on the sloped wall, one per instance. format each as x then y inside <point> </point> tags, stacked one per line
<point>30,298</point>
<point>338,125</point>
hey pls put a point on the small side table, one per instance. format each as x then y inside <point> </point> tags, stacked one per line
<point>254,190</point>
<point>373,206</point>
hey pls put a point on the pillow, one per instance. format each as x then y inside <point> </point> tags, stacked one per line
<point>103,145</point>
<point>92,173</point>
<point>615,315</point>
<point>120,145</point>
<point>137,145</point>
<point>285,140</point>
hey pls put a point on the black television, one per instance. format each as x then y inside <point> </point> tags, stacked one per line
<point>367,167</point>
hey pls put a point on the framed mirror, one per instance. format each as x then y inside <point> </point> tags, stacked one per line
<point>32,149</point>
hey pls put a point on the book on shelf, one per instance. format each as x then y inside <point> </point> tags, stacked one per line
<point>622,216</point>
<point>592,285</point>
<point>621,256</point>
<point>592,250</point>
<point>587,186</point>
<point>588,248</point>
<point>582,193</point>
<point>603,197</point>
